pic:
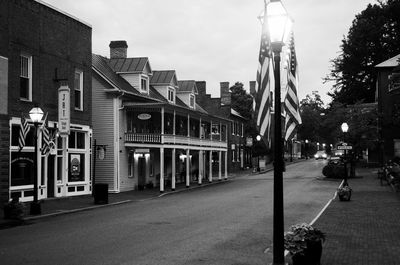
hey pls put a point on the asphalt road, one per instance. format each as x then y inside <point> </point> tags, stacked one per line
<point>229,223</point>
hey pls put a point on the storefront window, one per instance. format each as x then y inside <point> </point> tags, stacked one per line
<point>76,167</point>
<point>21,168</point>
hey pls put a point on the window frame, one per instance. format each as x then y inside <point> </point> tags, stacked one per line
<point>80,90</point>
<point>171,95</point>
<point>29,75</point>
<point>191,100</point>
<point>145,79</point>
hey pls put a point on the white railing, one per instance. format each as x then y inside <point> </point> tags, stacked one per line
<point>172,139</point>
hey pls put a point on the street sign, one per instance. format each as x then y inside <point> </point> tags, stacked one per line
<point>344,147</point>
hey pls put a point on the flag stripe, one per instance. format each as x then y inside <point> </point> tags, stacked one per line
<point>24,129</point>
<point>291,104</point>
<point>262,99</point>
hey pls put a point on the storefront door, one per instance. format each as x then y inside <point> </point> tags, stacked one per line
<point>50,175</point>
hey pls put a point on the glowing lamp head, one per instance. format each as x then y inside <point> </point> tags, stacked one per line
<point>345,127</point>
<point>258,138</point>
<point>279,22</point>
<point>36,114</point>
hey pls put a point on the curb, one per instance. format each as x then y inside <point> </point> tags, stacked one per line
<point>13,223</point>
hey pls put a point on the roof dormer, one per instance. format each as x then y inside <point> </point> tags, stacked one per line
<point>166,83</point>
<point>187,92</point>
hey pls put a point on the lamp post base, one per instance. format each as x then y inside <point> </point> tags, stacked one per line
<point>35,208</point>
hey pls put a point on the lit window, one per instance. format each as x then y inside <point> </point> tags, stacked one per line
<point>78,88</point>
<point>26,77</point>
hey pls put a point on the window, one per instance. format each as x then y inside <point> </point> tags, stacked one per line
<point>78,87</point>
<point>26,77</point>
<point>215,128</point>
<point>394,81</point>
<point>76,140</point>
<point>191,101</point>
<point>143,84</point>
<point>171,94</point>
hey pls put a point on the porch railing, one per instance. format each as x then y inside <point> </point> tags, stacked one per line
<point>171,140</point>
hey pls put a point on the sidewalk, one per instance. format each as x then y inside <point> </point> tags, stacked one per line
<point>365,230</point>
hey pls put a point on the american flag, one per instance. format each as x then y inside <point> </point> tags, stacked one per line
<point>293,118</point>
<point>262,98</point>
<point>45,138</point>
<point>23,131</point>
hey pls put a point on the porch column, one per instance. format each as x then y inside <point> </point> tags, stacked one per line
<point>174,123</point>
<point>162,169</point>
<point>173,169</point>
<point>226,164</point>
<point>200,176</point>
<point>162,121</point>
<point>219,165</point>
<point>210,167</point>
<point>187,168</point>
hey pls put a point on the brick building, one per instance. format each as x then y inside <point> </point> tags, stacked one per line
<point>388,98</point>
<point>41,49</point>
<point>239,156</point>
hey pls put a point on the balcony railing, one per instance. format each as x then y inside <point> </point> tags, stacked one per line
<point>171,140</point>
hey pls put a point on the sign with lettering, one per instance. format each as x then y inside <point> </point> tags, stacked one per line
<point>344,146</point>
<point>64,112</point>
<point>144,116</point>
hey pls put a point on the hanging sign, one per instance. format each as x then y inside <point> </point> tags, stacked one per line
<point>144,116</point>
<point>64,112</point>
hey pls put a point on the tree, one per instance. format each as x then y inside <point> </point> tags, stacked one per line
<point>241,101</point>
<point>373,37</point>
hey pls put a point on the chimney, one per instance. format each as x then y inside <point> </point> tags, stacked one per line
<point>118,49</point>
<point>225,93</point>
<point>201,87</point>
<point>252,88</point>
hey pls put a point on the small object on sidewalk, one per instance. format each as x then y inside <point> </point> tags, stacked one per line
<point>100,193</point>
<point>344,193</point>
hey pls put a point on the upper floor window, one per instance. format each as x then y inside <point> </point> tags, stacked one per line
<point>78,88</point>
<point>191,101</point>
<point>144,84</point>
<point>26,77</point>
<point>171,95</point>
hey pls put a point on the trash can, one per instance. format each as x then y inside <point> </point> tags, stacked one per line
<point>101,193</point>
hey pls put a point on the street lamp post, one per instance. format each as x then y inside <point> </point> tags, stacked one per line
<point>36,115</point>
<point>258,138</point>
<point>345,128</point>
<point>306,147</point>
<point>279,25</point>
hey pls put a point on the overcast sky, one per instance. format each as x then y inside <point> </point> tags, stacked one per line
<point>217,40</point>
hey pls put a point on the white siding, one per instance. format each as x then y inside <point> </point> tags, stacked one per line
<point>133,79</point>
<point>185,97</point>
<point>103,132</point>
<point>163,90</point>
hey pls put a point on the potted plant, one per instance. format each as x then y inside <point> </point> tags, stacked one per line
<point>344,193</point>
<point>14,209</point>
<point>304,244</point>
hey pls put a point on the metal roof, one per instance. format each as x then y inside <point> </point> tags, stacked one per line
<point>392,62</point>
<point>187,86</point>
<point>165,77</point>
<point>128,65</point>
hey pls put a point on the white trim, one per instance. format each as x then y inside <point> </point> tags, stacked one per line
<point>116,144</point>
<point>5,58</point>
<point>81,77</point>
<point>30,75</point>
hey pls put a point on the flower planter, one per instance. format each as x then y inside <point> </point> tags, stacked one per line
<point>310,256</point>
<point>344,193</point>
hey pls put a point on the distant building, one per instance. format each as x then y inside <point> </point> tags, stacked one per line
<point>239,156</point>
<point>388,98</point>
<point>39,46</point>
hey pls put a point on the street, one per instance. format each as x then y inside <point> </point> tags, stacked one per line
<point>229,223</point>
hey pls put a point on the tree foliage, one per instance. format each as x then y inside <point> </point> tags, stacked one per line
<point>374,37</point>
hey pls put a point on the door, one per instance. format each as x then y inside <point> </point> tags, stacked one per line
<point>141,172</point>
<point>50,175</point>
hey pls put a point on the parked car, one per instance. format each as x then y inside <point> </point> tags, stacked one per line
<point>339,152</point>
<point>321,155</point>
